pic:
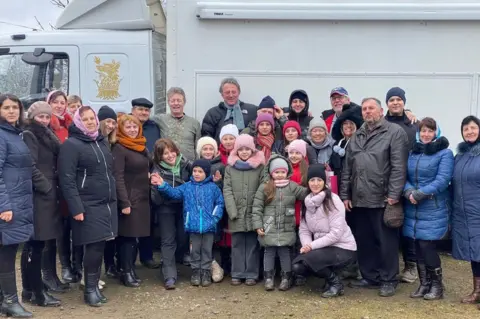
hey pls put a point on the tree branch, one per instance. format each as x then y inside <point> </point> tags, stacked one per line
<point>39,24</point>
<point>60,3</point>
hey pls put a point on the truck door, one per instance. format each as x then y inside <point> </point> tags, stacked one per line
<point>31,77</point>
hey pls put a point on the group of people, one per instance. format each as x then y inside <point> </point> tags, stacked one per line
<point>252,182</point>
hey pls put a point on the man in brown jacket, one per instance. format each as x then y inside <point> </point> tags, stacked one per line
<point>373,177</point>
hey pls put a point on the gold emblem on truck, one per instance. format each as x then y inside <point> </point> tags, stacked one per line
<point>108,81</point>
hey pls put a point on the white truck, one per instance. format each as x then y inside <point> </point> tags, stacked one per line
<point>111,51</point>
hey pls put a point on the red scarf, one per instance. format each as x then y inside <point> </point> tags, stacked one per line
<point>265,143</point>
<point>223,154</point>
<point>297,178</point>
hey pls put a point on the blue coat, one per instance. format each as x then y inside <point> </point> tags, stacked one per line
<point>16,189</point>
<point>202,204</point>
<point>466,203</point>
<point>429,171</point>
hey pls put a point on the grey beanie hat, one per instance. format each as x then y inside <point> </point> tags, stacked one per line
<point>39,107</point>
<point>277,163</point>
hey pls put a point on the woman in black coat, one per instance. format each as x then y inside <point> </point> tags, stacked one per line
<point>88,186</point>
<point>16,198</point>
<point>47,221</point>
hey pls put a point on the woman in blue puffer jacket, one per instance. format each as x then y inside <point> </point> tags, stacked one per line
<point>429,171</point>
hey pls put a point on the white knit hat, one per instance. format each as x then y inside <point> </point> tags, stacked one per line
<point>229,129</point>
<point>206,140</point>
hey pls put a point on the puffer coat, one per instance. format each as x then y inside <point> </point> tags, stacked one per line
<point>466,203</point>
<point>277,218</point>
<point>85,168</point>
<point>239,190</point>
<point>16,189</point>
<point>44,146</point>
<point>429,172</point>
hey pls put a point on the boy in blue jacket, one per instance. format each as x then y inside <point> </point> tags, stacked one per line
<point>202,209</point>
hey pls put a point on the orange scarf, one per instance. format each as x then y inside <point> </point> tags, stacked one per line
<point>136,144</point>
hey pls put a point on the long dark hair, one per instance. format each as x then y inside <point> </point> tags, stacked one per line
<point>466,121</point>
<point>328,204</point>
<point>14,98</point>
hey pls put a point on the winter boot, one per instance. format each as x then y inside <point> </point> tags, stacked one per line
<point>196,279</point>
<point>49,269</point>
<point>286,282</point>
<point>206,277</point>
<point>10,305</point>
<point>474,297</point>
<point>27,291</point>
<point>425,282</point>
<point>299,272</point>
<point>409,273</point>
<point>269,281</point>
<point>98,290</point>
<point>111,271</point>
<point>436,290</point>
<point>335,286</point>
<point>40,296</point>
<point>90,295</point>
<point>128,277</point>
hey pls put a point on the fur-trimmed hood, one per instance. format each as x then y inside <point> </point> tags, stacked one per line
<point>257,159</point>
<point>466,147</point>
<point>431,148</point>
<point>351,112</point>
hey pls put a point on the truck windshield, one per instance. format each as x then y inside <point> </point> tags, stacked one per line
<point>32,82</point>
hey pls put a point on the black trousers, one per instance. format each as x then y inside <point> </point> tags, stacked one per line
<point>111,253</point>
<point>475,268</point>
<point>65,244</point>
<point>408,248</point>
<point>427,253</point>
<point>31,266</point>
<point>92,259</point>
<point>8,285</point>
<point>377,246</point>
<point>127,247</point>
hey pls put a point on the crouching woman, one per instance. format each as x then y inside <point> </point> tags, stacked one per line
<point>327,241</point>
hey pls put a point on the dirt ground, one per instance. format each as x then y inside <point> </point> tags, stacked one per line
<point>221,300</point>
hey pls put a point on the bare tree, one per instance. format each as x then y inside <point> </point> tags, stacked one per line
<point>60,3</point>
<point>39,23</point>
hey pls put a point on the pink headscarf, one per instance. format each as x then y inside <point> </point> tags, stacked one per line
<point>77,120</point>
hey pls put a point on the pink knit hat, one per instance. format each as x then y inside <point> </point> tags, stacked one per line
<point>265,117</point>
<point>244,140</point>
<point>299,146</point>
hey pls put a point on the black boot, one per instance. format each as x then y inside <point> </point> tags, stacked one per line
<point>128,275</point>
<point>100,295</point>
<point>111,271</point>
<point>27,291</point>
<point>10,305</point>
<point>44,299</point>
<point>67,274</point>
<point>286,282</point>
<point>436,289</point>
<point>269,281</point>
<point>77,263</point>
<point>195,279</point>
<point>206,278</point>
<point>49,269</point>
<point>335,286</point>
<point>299,273</point>
<point>425,282</point>
<point>90,295</point>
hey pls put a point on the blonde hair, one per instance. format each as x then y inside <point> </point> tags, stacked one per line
<point>74,99</point>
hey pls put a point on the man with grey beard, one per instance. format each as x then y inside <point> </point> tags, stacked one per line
<point>373,178</point>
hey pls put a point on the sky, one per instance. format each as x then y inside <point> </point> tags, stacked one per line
<point>23,12</point>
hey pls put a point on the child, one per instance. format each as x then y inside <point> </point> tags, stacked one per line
<point>207,149</point>
<point>228,134</point>
<point>264,136</point>
<point>297,152</point>
<point>243,175</point>
<point>273,217</point>
<point>202,209</point>
<point>74,102</point>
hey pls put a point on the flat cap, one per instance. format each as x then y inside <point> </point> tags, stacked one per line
<point>142,102</point>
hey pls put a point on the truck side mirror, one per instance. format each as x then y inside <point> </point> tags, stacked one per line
<point>38,57</point>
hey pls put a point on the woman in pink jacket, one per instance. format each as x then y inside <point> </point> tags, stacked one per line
<point>327,241</point>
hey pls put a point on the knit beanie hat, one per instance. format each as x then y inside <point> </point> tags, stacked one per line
<point>299,94</point>
<point>267,103</point>
<point>245,140</point>
<point>293,124</point>
<point>265,117</point>
<point>39,107</point>
<point>229,129</point>
<point>317,170</point>
<point>316,123</point>
<point>276,164</point>
<point>204,165</point>
<point>106,112</point>
<point>299,146</point>
<point>206,140</point>
<point>396,91</point>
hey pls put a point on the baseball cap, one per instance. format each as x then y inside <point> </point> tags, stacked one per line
<point>339,90</point>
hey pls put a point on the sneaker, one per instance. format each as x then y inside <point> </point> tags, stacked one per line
<point>236,282</point>
<point>250,282</point>
<point>409,273</point>
<point>170,284</point>
<point>387,290</point>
